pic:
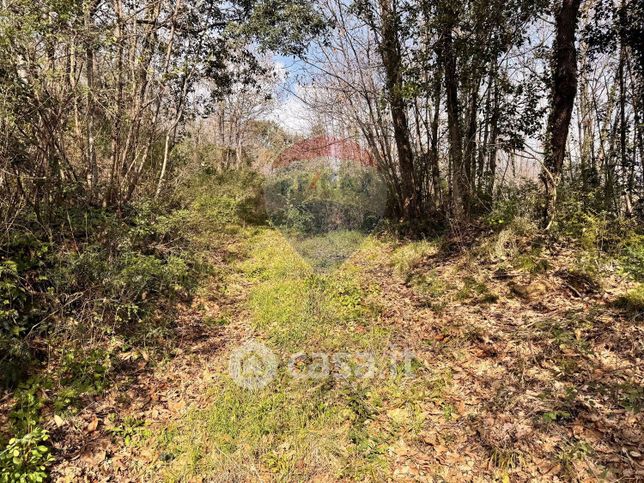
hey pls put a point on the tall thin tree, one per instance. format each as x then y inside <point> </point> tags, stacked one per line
<point>564,90</point>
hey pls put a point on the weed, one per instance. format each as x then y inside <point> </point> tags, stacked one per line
<point>130,427</point>
<point>505,458</point>
<point>448,411</point>
<point>564,407</point>
<point>29,401</point>
<point>344,297</point>
<point>571,452</point>
<point>216,321</point>
<point>631,396</point>
<point>440,383</point>
<point>407,257</point>
<point>478,290</point>
<point>516,205</point>
<point>429,284</point>
<point>531,261</point>
<point>26,458</point>
<point>633,300</point>
<point>554,416</point>
<point>506,244</point>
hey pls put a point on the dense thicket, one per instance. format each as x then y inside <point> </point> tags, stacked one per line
<point>94,95</point>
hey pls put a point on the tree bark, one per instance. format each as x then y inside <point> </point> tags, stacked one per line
<point>436,174</point>
<point>564,90</point>
<point>459,180</point>
<point>470,147</point>
<point>391,58</point>
<point>92,166</point>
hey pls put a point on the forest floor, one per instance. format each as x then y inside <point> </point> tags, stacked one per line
<point>522,369</point>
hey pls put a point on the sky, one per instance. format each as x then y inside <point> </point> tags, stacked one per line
<point>291,112</point>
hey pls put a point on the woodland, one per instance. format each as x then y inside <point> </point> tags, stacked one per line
<point>462,181</point>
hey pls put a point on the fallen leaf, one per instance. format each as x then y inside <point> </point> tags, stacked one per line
<point>429,438</point>
<point>58,421</point>
<point>94,458</point>
<point>440,449</point>
<point>92,425</point>
<point>99,457</point>
<point>176,406</point>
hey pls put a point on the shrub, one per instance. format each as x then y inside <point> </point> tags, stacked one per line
<point>24,301</point>
<point>92,269</point>
<point>26,459</point>
<point>509,242</point>
<point>217,202</point>
<point>29,401</point>
<point>512,203</point>
<point>595,231</point>
<point>632,257</point>
<point>314,200</point>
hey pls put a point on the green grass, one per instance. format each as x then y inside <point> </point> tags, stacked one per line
<point>407,257</point>
<point>633,300</point>
<point>295,430</point>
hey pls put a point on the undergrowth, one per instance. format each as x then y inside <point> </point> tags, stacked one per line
<point>95,284</point>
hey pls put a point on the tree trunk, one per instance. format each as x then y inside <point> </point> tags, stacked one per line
<point>390,52</point>
<point>436,174</point>
<point>493,149</point>
<point>459,180</point>
<point>92,167</point>
<point>470,147</point>
<point>564,90</point>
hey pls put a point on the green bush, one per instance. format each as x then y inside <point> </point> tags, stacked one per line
<point>633,300</point>
<point>28,403</point>
<point>24,300</point>
<point>12,296</point>
<point>598,231</point>
<point>81,372</point>
<point>26,459</point>
<point>91,269</point>
<point>632,256</point>
<point>217,202</point>
<point>512,203</point>
<point>15,358</point>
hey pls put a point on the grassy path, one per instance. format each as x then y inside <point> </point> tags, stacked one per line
<point>298,429</point>
<point>501,388</point>
<point>522,369</point>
